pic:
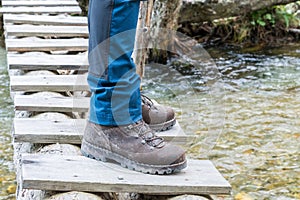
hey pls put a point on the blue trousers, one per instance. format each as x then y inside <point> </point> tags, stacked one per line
<point>112,77</point>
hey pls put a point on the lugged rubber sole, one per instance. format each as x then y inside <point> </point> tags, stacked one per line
<point>163,126</point>
<point>104,155</point>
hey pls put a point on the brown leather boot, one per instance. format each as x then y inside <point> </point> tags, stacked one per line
<point>158,117</point>
<point>134,146</point>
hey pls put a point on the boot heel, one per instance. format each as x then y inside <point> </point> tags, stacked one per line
<point>90,151</point>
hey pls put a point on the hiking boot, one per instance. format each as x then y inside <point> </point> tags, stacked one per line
<point>135,147</point>
<point>158,117</point>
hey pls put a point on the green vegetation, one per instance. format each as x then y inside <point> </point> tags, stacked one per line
<point>269,26</point>
<point>276,15</point>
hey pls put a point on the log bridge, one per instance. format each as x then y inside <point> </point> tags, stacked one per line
<point>46,42</point>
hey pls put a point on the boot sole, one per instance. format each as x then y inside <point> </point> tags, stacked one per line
<point>104,155</point>
<point>163,126</point>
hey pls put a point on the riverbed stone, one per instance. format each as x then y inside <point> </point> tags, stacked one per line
<point>60,149</point>
<point>51,116</point>
<point>74,196</point>
<point>188,197</point>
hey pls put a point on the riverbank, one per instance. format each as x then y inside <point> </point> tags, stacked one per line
<point>269,27</point>
<point>273,26</point>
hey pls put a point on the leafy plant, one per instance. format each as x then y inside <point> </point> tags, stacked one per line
<point>262,18</point>
<point>275,15</point>
<point>282,14</point>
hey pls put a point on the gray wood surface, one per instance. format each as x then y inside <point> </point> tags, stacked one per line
<point>49,83</point>
<point>67,173</point>
<point>45,20</point>
<point>39,3</point>
<point>55,31</point>
<point>51,104</point>
<point>47,62</point>
<point>71,131</point>
<point>48,131</point>
<point>40,9</point>
<point>23,45</point>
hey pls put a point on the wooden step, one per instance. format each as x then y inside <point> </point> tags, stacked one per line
<point>39,3</point>
<point>67,173</point>
<point>49,83</point>
<point>46,31</point>
<point>47,62</point>
<point>41,10</point>
<point>45,20</point>
<point>71,131</point>
<point>48,131</point>
<point>51,104</point>
<point>23,45</point>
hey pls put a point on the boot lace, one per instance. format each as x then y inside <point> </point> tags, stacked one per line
<point>146,133</point>
<point>147,101</point>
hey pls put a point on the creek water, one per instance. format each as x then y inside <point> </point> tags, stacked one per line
<point>7,174</point>
<point>251,134</point>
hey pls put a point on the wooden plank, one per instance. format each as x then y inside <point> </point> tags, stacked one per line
<point>49,83</point>
<point>40,3</point>
<point>45,20</point>
<point>68,104</point>
<point>46,31</point>
<point>67,173</point>
<point>47,62</point>
<point>71,131</point>
<point>41,9</point>
<point>23,45</point>
<point>51,104</point>
<point>48,131</point>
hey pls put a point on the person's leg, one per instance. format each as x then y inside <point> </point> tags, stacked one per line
<point>112,78</point>
<point>115,129</point>
<point>112,31</point>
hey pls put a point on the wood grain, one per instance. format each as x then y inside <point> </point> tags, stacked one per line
<point>51,104</point>
<point>47,62</point>
<point>43,31</point>
<point>45,20</point>
<point>39,3</point>
<point>67,173</point>
<point>71,131</point>
<point>23,45</point>
<point>40,9</point>
<point>49,83</point>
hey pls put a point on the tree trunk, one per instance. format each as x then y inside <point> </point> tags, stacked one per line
<point>195,11</point>
<point>140,53</point>
<point>164,16</point>
<point>155,15</point>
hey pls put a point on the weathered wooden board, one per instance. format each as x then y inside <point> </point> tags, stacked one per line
<point>43,31</point>
<point>48,131</point>
<point>40,9</point>
<point>51,104</point>
<point>65,173</point>
<point>49,83</point>
<point>39,3</point>
<point>47,62</point>
<point>71,131</point>
<point>23,45</point>
<point>45,20</point>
